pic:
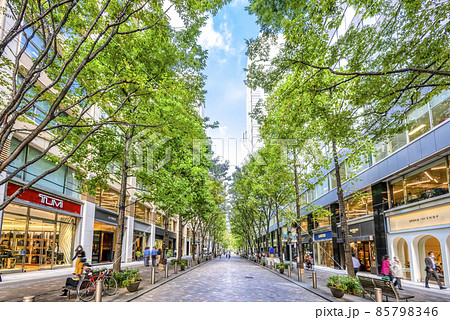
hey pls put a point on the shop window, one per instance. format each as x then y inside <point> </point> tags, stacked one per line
<point>440,108</point>
<point>108,199</point>
<point>360,206</point>
<point>419,118</point>
<point>304,225</point>
<point>429,182</point>
<point>398,192</point>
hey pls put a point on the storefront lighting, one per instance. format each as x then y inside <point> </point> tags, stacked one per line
<point>416,129</point>
<point>438,168</point>
<point>414,183</point>
<point>430,177</point>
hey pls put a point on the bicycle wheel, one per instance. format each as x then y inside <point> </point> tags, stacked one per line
<point>86,290</point>
<point>109,285</point>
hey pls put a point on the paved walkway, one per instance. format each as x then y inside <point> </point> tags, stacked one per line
<point>229,280</point>
<point>46,285</point>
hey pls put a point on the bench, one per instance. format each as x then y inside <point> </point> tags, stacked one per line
<point>387,288</point>
<point>69,289</point>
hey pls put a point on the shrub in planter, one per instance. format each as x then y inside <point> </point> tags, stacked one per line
<point>132,283</point>
<point>124,276</point>
<point>343,284</point>
<point>169,253</point>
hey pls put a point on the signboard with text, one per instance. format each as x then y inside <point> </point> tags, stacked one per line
<point>44,199</point>
<point>421,219</point>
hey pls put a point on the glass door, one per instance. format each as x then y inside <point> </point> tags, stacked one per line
<point>41,243</point>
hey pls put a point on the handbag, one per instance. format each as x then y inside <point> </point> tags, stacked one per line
<point>83,260</point>
<point>385,277</point>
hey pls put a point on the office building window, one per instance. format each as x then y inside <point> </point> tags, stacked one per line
<point>398,192</point>
<point>440,108</point>
<point>360,206</point>
<point>419,119</point>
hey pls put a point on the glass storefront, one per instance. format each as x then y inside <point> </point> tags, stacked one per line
<point>323,253</point>
<point>365,252</point>
<point>140,241</point>
<point>104,242</point>
<point>427,182</point>
<point>34,239</point>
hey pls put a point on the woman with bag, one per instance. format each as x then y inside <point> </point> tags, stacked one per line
<point>80,255</point>
<point>386,269</point>
<point>397,272</point>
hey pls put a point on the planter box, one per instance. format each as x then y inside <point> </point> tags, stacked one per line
<point>336,292</point>
<point>133,287</point>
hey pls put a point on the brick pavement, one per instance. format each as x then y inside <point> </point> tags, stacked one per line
<point>229,280</point>
<point>420,293</point>
<point>46,285</point>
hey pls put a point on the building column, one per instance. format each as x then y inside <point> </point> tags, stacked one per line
<point>414,262</point>
<point>2,197</point>
<point>84,234</point>
<point>127,248</point>
<point>445,257</point>
<point>379,193</point>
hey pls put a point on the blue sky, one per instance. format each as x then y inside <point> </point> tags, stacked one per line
<point>224,36</point>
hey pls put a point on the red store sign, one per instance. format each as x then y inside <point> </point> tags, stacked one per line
<point>44,199</point>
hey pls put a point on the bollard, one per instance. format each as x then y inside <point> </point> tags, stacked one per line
<point>299,274</point>
<point>314,279</point>
<point>378,295</point>
<point>28,299</point>
<point>175,268</point>
<point>98,290</point>
<point>289,271</point>
<point>153,277</point>
<point>167,270</point>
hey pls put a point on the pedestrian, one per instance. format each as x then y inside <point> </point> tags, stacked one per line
<point>154,254</point>
<point>386,269</point>
<point>356,263</point>
<point>147,257</point>
<point>159,257</point>
<point>271,252</point>
<point>229,254</point>
<point>397,272</point>
<point>73,281</point>
<point>431,270</point>
<point>80,255</point>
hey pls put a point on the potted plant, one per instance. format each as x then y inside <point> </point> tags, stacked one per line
<point>169,253</point>
<point>339,285</point>
<point>132,283</point>
<point>138,255</point>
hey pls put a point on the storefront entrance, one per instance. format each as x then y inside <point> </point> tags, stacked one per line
<point>35,239</point>
<point>104,242</point>
<point>364,252</point>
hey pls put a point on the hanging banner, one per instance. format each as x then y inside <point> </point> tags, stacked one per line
<point>284,234</point>
<point>294,234</point>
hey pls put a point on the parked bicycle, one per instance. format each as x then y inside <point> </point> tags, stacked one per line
<point>86,287</point>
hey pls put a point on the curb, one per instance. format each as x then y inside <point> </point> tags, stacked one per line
<point>304,286</point>
<point>174,276</point>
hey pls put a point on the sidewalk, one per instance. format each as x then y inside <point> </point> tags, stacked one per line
<point>45,285</point>
<point>420,293</point>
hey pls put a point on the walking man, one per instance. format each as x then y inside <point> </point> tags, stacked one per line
<point>154,254</point>
<point>147,257</point>
<point>356,263</point>
<point>431,270</point>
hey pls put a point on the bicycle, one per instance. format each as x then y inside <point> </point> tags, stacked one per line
<point>86,287</point>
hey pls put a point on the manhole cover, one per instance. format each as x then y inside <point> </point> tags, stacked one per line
<point>248,277</point>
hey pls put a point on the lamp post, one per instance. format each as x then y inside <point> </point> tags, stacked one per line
<point>289,244</point>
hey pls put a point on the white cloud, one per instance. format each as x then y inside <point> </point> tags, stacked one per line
<point>211,38</point>
<point>174,18</point>
<point>236,3</point>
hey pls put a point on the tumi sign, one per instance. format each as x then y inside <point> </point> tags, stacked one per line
<point>44,199</point>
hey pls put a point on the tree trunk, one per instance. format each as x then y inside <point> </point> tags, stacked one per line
<point>165,238</point>
<point>194,234</point>
<point>122,206</point>
<point>298,223</point>
<point>180,238</point>
<point>279,244</point>
<point>342,214</point>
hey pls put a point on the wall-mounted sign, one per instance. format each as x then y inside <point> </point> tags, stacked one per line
<point>44,199</point>
<point>421,219</point>
<point>322,236</point>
